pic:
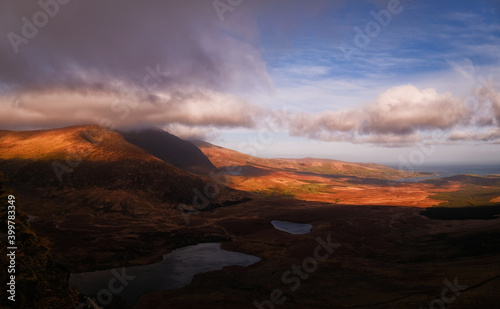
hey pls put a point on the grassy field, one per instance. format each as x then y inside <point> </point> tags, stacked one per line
<point>473,201</point>
<point>469,196</point>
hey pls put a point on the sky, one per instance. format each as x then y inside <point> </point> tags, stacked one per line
<point>411,82</point>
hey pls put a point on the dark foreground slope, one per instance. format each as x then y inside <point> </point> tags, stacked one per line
<point>41,282</point>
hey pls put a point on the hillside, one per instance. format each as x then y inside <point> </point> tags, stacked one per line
<point>116,205</point>
<point>171,149</point>
<point>91,143</point>
<point>81,183</point>
<point>321,180</point>
<point>223,157</point>
<point>89,156</point>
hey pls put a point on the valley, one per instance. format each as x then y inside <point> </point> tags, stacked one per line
<point>128,199</point>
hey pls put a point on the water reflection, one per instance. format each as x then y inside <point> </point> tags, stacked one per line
<point>175,271</point>
<point>292,228</point>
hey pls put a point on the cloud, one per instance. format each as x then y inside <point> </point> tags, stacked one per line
<point>406,109</point>
<point>176,65</point>
<point>89,42</point>
<point>395,118</point>
<point>391,140</point>
<point>494,98</point>
<point>331,121</point>
<point>485,103</point>
<point>175,60</point>
<point>192,132</point>
<point>491,135</point>
<point>184,106</point>
<point>129,63</point>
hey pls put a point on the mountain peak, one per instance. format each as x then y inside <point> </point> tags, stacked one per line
<point>89,142</point>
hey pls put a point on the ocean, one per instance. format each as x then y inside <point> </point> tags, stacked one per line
<point>448,170</point>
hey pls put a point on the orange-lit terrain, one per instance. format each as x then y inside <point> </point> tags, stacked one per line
<point>90,143</point>
<point>329,181</point>
<point>109,202</point>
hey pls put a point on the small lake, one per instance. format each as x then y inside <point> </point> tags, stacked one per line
<point>175,271</point>
<point>292,228</point>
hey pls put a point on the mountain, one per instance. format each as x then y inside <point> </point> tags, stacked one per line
<point>94,192</point>
<point>84,157</point>
<point>320,180</point>
<point>91,200</point>
<point>223,157</point>
<point>91,143</point>
<point>178,152</point>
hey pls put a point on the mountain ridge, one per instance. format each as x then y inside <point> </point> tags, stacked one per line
<point>223,157</point>
<point>170,148</point>
<point>88,156</point>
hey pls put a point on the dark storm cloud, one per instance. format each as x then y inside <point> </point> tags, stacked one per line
<point>89,43</point>
<point>67,62</point>
<point>126,62</point>
<point>92,42</point>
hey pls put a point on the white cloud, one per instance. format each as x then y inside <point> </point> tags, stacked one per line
<point>395,118</point>
<point>406,109</point>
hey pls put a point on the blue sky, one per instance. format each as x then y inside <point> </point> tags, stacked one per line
<point>447,46</point>
<point>269,78</point>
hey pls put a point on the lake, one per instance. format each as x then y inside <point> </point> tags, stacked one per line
<point>175,271</point>
<point>292,228</point>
